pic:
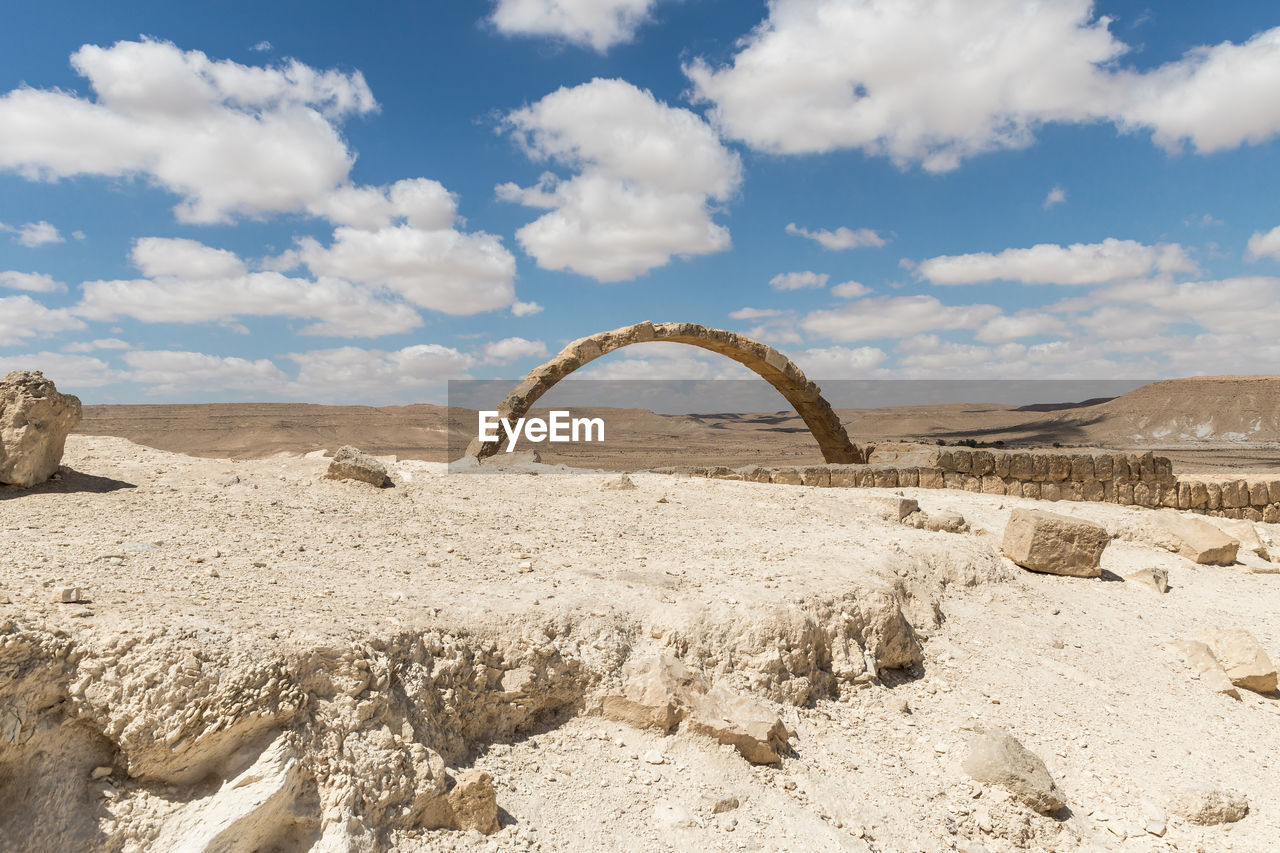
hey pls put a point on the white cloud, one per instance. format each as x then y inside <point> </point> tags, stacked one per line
<point>172,371</point>
<point>598,24</point>
<point>894,317</point>
<point>193,283</point>
<point>22,317</point>
<point>100,343</point>
<point>840,239</point>
<point>1056,196</point>
<point>34,234</point>
<point>849,290</point>
<point>33,281</point>
<point>1047,263</point>
<point>839,362</point>
<point>441,269</point>
<point>1025,324</point>
<point>525,309</point>
<point>421,202</point>
<point>1265,245</point>
<point>226,138</point>
<point>798,280</point>
<point>647,174</point>
<point>756,313</point>
<point>263,46</point>
<point>933,82</point>
<point>664,360</point>
<point>68,372</point>
<point>508,350</point>
<point>339,373</point>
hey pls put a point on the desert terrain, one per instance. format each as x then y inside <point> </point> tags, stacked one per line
<point>259,658</point>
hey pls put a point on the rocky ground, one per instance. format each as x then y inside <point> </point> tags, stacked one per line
<point>252,656</point>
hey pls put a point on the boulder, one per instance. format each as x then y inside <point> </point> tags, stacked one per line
<point>34,422</point>
<point>654,694</point>
<point>998,758</point>
<point>740,721</point>
<point>1056,544</point>
<point>1246,534</point>
<point>352,464</point>
<point>1208,806</point>
<point>1211,673</point>
<point>1245,661</point>
<point>1155,578</point>
<point>473,803</point>
<point>1199,541</point>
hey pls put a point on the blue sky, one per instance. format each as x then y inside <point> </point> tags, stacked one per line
<point>296,201</point>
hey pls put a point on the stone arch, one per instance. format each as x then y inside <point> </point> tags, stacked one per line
<point>771,365</point>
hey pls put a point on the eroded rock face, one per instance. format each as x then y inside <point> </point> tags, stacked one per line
<point>34,422</point>
<point>998,758</point>
<point>1055,544</point>
<point>350,463</point>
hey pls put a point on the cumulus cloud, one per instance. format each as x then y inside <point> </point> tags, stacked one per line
<point>225,138</point>
<point>169,371</point>
<point>525,309</point>
<point>34,234</point>
<point>756,313</point>
<point>1265,245</point>
<point>849,290</point>
<point>1024,324</point>
<point>68,372</point>
<point>894,317</point>
<point>188,282</point>
<point>839,362</point>
<point>32,281</point>
<point>1056,196</point>
<point>335,373</point>
<point>21,317</point>
<point>840,239</point>
<point>94,345</point>
<point>806,280</point>
<point>933,82</point>
<point>1048,263</point>
<point>664,360</point>
<point>508,350</point>
<point>597,24</point>
<point>646,177</point>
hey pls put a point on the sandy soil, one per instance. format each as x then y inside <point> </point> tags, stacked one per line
<point>483,617</point>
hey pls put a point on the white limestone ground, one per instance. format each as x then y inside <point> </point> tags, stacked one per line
<point>265,659</point>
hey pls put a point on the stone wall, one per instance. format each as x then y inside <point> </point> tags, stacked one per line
<point>1122,478</point>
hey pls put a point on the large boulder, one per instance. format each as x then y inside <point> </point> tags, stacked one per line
<point>34,422</point>
<point>1056,544</point>
<point>1199,541</point>
<point>1243,659</point>
<point>352,464</point>
<point>998,758</point>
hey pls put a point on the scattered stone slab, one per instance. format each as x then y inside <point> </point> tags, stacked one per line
<point>998,758</point>
<point>71,595</point>
<point>890,508</point>
<point>1243,659</point>
<point>350,463</point>
<point>1246,534</point>
<point>740,721</point>
<point>943,522</point>
<point>1212,675</point>
<point>34,422</point>
<point>1156,578</point>
<point>1054,544</point>
<point>1206,805</point>
<point>1199,541</point>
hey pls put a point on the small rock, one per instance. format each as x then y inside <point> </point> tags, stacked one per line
<point>100,773</point>
<point>231,481</point>
<point>653,756</point>
<point>1155,578</point>
<point>70,595</point>
<point>1245,661</point>
<point>1212,675</point>
<point>741,721</point>
<point>526,566</point>
<point>352,464</point>
<point>1208,806</point>
<point>1056,544</point>
<point>720,803</point>
<point>998,758</point>
<point>621,483</point>
<point>669,815</point>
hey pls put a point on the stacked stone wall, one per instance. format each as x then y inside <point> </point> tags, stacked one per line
<point>1129,479</point>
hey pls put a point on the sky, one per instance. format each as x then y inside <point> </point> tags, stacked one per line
<point>323,203</point>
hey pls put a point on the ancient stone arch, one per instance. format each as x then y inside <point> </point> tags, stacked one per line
<point>772,366</point>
